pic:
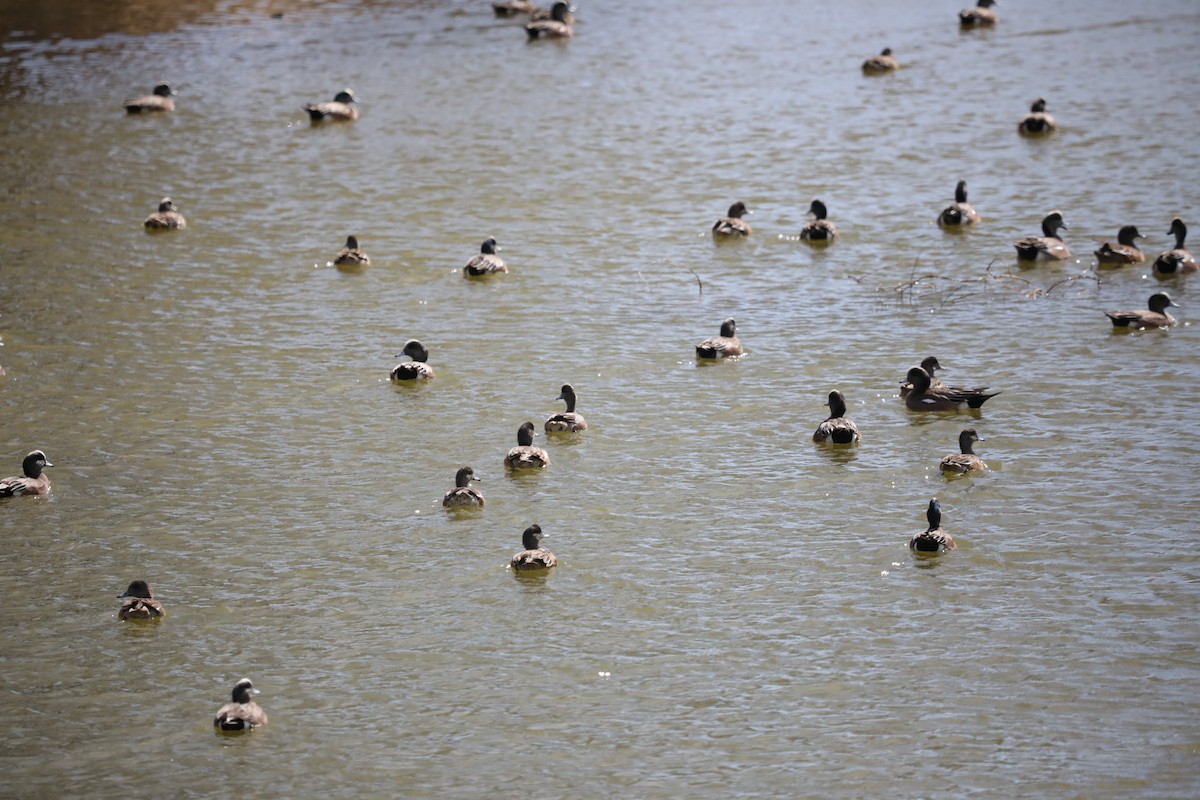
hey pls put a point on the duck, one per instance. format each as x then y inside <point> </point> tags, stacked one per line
<point>416,369</point>
<point>838,428</point>
<point>1155,316</point>
<point>965,460</point>
<point>166,218</point>
<point>1047,247</point>
<point>569,421</point>
<point>351,255</point>
<point>926,397</point>
<point>140,603</point>
<point>525,455</point>
<point>960,212</point>
<point>542,13</point>
<point>556,27</point>
<point>880,64</point>
<point>1177,260</point>
<point>514,8</point>
<point>732,225</point>
<point>818,229</point>
<point>1124,252</point>
<point>1037,120</point>
<point>533,557</point>
<point>978,17</point>
<point>242,714</point>
<point>34,481</point>
<point>158,100</point>
<point>930,365</point>
<point>723,346</point>
<point>342,108</point>
<point>486,262</point>
<point>933,539</point>
<point>463,493</point>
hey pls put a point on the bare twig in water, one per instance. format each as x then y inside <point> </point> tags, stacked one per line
<point>952,289</point>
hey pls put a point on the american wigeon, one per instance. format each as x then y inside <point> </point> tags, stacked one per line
<point>838,428</point>
<point>1124,252</point>
<point>157,100</point>
<point>927,397</point>
<point>351,255</point>
<point>819,229</point>
<point>341,108</point>
<point>727,344</point>
<point>166,218</point>
<point>979,16</point>
<point>525,455</point>
<point>243,713</point>
<point>965,460</point>
<point>34,481</point>
<point>416,369</point>
<point>1155,316</point>
<point>933,539</point>
<point>139,603</point>
<point>556,27</point>
<point>1047,247</point>
<point>732,225</point>
<point>1037,121</point>
<point>463,493</point>
<point>568,421</point>
<point>533,557</point>
<point>486,262</point>
<point>1178,260</point>
<point>542,13</point>
<point>514,8</point>
<point>930,365</point>
<point>880,64</point>
<point>960,212</point>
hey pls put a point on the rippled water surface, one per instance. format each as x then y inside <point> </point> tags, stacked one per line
<point>735,613</point>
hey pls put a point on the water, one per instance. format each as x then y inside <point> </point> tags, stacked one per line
<point>735,613</point>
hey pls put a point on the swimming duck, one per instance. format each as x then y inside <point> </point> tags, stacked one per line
<point>1047,247</point>
<point>933,539</point>
<point>1124,252</point>
<point>960,212</point>
<point>838,428</point>
<point>1178,260</point>
<point>140,603</point>
<point>525,455</point>
<point>926,397</point>
<point>1155,317</point>
<point>243,713</point>
<point>514,8</point>
<point>878,65</point>
<point>533,557</point>
<point>540,13</point>
<point>1037,120</point>
<point>165,218</point>
<point>34,481</point>
<point>727,344</point>
<point>930,365</point>
<point>819,229</point>
<point>416,369</point>
<point>158,100</point>
<point>486,262</point>
<point>978,17</point>
<point>351,255</point>
<point>733,225</point>
<point>569,420</point>
<point>342,107</point>
<point>966,460</point>
<point>557,27</point>
<point>463,493</point>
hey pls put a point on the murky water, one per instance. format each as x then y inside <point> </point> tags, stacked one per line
<point>735,613</point>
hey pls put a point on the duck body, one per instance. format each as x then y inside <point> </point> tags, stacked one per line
<point>166,218</point>
<point>1048,246</point>
<point>1125,251</point>
<point>463,493</point>
<point>980,16</point>
<point>926,397</point>
<point>1037,121</point>
<point>351,255</point>
<point>139,603</point>
<point>486,262</point>
<point>569,421</point>
<point>1178,260</point>
<point>416,369</point>
<point>965,460</point>
<point>880,64</point>
<point>723,346</point>
<point>242,714</point>
<point>960,212</point>
<point>32,481</point>
<point>732,226</point>
<point>818,230</point>
<point>838,428</point>
<point>933,539</point>
<point>556,27</point>
<point>533,557</point>
<point>525,455</point>
<point>1155,316</point>
<point>157,100</point>
<point>930,365</point>
<point>342,108</point>
<point>514,8</point>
